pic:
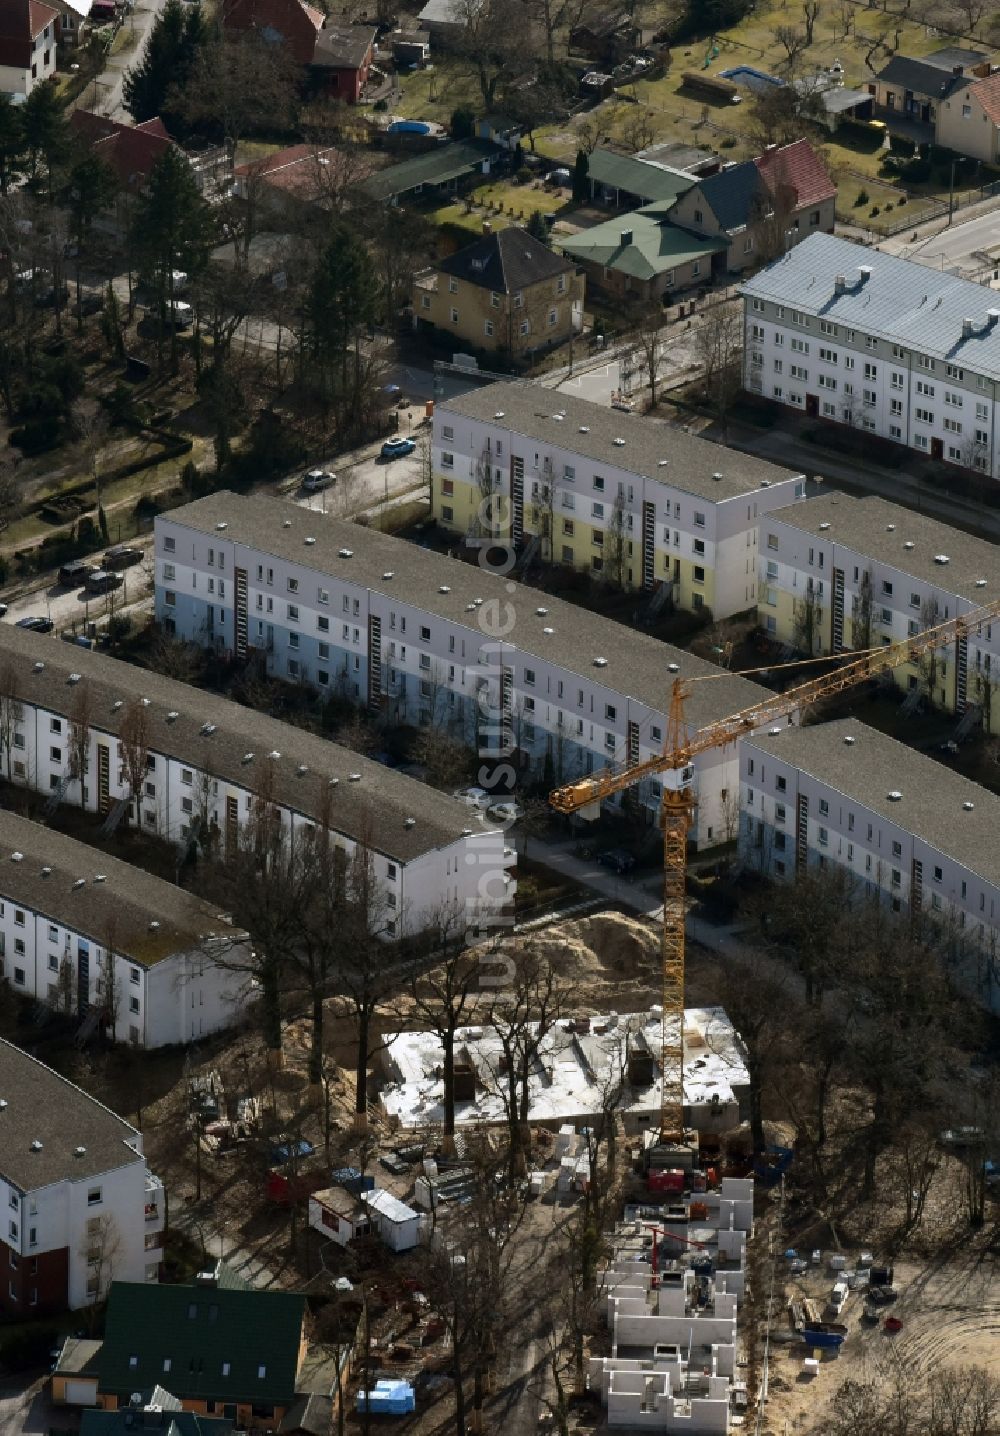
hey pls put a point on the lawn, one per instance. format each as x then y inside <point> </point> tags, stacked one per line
<point>670,113</point>
<point>436,92</point>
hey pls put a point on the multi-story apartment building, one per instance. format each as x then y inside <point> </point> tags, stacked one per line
<point>839,573</point>
<point>428,639</point>
<point>81,1206</point>
<point>86,933</point>
<point>96,732</point>
<point>628,499</point>
<point>884,345</point>
<point>902,826</point>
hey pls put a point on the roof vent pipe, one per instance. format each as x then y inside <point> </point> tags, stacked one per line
<point>966,328</point>
<point>840,284</point>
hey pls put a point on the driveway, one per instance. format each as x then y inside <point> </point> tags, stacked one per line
<point>108,85</point>
<point>26,1410</point>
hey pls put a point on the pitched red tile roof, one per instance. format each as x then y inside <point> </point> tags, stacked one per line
<point>295,170</point>
<point>292,21</point>
<point>40,15</point>
<point>796,166</point>
<point>987,94</point>
<point>130,150</point>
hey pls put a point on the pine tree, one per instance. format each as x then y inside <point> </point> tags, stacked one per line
<point>46,132</point>
<point>172,230</point>
<point>170,51</point>
<point>342,303</point>
<point>581,177</point>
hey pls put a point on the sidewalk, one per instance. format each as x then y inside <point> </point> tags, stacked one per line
<point>643,894</point>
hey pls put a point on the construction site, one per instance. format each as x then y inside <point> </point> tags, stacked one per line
<point>684,1174</point>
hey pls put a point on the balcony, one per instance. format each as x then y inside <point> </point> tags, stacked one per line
<point>155,1202</point>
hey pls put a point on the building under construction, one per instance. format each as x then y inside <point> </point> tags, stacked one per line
<point>582,1065</point>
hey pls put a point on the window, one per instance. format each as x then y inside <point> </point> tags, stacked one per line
<point>610,712</point>
<point>828,356</point>
<point>170,599</point>
<point>226,1368</point>
<point>898,352</point>
<point>133,1004</point>
<point>293,585</point>
<point>93,1196</point>
<point>966,112</point>
<point>488,328</point>
<point>169,545</point>
<point>953,398</point>
<point>924,388</point>
<point>895,379</point>
<point>895,406</point>
<point>827,381</point>
<point>924,362</point>
<point>923,416</point>
<point>454,316</point>
<point>758,306</point>
<point>921,441</point>
<point>824,808</point>
<point>261,1372</point>
<point>447,461</point>
<point>871,371</point>
<point>953,426</point>
<point>800,346</point>
<point>781,784</point>
<point>825,327</point>
<point>698,574</point>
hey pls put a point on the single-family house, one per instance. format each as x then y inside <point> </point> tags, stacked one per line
<point>72,23</point>
<point>642,256</point>
<point>226,1349</point>
<point>761,207</point>
<point>300,176</point>
<point>506,292</point>
<point>28,38</point>
<point>292,23</point>
<point>625,181</point>
<point>705,226</point>
<point>968,121</point>
<point>129,151</point>
<point>912,91</point>
<point>444,21</point>
<point>410,49</point>
<point>341,60</point>
<point>442,170</point>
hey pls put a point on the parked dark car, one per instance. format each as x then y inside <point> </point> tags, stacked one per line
<point>76,573</point>
<point>36,625</point>
<point>617,859</point>
<point>121,556</point>
<point>51,296</point>
<point>100,581</point>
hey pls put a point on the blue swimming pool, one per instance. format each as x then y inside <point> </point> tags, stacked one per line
<point>409,127</point>
<point>756,80</point>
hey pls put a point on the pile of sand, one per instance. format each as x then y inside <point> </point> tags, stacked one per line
<point>606,957</point>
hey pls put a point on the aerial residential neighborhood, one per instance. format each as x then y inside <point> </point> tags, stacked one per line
<point>499,759</point>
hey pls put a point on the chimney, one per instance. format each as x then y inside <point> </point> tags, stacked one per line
<point>626,238</point>
<point>957,70</point>
<point>865,273</point>
<point>992,315</point>
<point>840,284</point>
<point>966,328</point>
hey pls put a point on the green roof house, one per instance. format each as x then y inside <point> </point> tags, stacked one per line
<point>642,255</point>
<point>220,1350</point>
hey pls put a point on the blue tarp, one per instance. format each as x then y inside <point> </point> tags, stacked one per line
<point>389,1398</point>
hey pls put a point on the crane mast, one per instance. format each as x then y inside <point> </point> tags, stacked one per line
<point>677,806</point>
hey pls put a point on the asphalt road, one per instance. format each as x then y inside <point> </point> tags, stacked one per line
<point>962,246</point>
<point>105,94</point>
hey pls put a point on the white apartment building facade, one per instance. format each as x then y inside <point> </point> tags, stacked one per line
<point>840,573</point>
<point>534,682</point>
<point>625,498</point>
<point>80,1206</point>
<point>884,345</point>
<point>904,828</point>
<point>89,935</point>
<point>77,725</point>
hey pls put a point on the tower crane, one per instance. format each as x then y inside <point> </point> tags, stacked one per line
<point>677,803</point>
